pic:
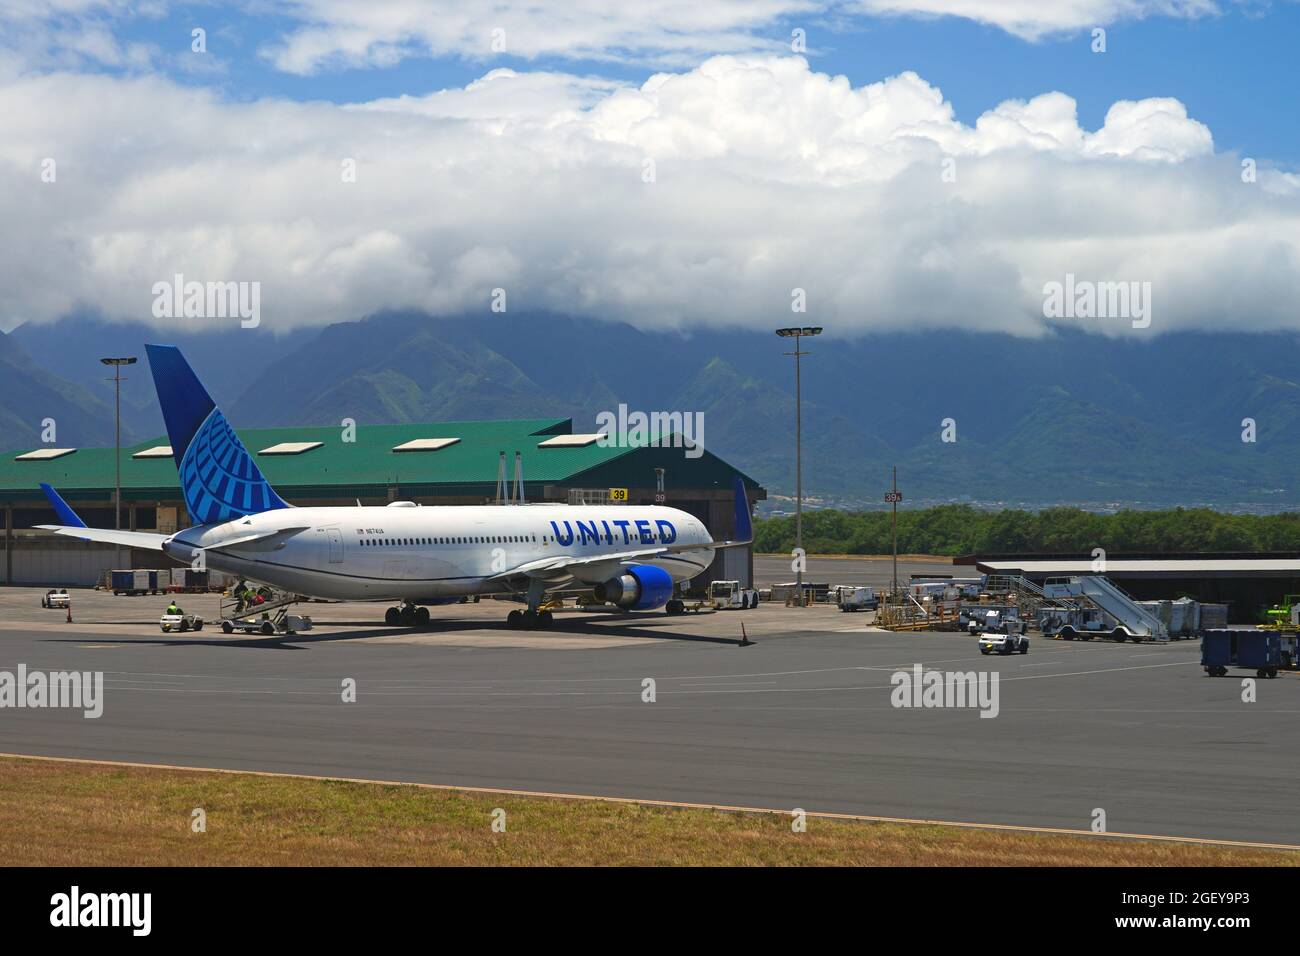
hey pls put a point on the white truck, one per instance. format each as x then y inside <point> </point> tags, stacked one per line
<point>857,599</point>
<point>730,596</point>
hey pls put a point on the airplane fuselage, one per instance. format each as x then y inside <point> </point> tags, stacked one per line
<point>405,552</point>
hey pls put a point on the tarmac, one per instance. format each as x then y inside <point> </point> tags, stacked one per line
<point>803,717</point>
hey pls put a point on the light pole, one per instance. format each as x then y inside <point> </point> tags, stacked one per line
<point>117,364</point>
<point>797,334</point>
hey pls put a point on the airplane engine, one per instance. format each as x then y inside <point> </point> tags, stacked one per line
<point>640,588</point>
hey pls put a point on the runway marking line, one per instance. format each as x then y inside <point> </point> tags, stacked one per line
<point>672,804</point>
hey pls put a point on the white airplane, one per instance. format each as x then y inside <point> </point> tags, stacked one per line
<point>628,556</point>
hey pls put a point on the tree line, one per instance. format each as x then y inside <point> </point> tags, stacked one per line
<point>962,529</point>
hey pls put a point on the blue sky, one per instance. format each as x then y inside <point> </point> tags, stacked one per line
<point>1237,72</point>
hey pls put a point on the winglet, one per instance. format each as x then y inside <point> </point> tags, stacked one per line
<point>67,516</point>
<point>744,526</point>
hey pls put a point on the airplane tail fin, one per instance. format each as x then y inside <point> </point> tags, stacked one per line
<point>219,479</point>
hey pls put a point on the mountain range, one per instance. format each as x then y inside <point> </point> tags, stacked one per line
<point>1066,418</point>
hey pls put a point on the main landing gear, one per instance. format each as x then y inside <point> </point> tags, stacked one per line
<point>529,620</point>
<point>408,615</point>
<point>532,619</point>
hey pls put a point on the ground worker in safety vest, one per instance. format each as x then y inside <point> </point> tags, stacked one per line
<point>173,609</point>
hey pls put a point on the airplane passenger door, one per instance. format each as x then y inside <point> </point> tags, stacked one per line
<point>336,545</point>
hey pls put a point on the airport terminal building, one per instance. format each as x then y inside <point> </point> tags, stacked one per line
<point>444,463</point>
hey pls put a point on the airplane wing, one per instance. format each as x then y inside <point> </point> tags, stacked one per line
<point>129,539</point>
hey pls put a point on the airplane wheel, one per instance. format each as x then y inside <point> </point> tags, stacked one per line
<point>227,627</point>
<point>515,618</point>
<point>392,616</point>
<point>422,616</point>
<point>545,619</point>
<point>268,628</point>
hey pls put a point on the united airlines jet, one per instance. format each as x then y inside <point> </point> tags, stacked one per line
<point>626,555</point>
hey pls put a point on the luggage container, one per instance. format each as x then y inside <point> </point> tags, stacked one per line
<point>1187,615</point>
<point>1214,616</point>
<point>133,582</point>
<point>1259,650</point>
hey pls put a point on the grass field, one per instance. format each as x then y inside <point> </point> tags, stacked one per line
<point>82,814</point>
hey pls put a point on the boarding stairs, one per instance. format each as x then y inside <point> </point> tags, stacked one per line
<point>1114,600</point>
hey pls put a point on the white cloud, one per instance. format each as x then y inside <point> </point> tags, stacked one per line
<point>1034,19</point>
<point>769,176</point>
<point>669,32</point>
<point>381,32</point>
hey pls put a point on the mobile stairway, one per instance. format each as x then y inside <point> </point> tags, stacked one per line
<point>1132,621</point>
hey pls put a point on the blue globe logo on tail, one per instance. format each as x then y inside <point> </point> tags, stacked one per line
<point>219,479</point>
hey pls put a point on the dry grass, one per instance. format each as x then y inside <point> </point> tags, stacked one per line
<point>74,814</point>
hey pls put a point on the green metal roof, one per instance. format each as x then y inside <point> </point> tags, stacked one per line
<point>338,468</point>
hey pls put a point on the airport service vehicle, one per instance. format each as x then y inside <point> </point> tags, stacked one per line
<point>857,599</point>
<point>1012,643</point>
<point>628,555</point>
<point>56,597</point>
<point>730,596</point>
<point>1260,650</point>
<point>180,622</point>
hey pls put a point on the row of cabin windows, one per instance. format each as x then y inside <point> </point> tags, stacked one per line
<point>481,539</point>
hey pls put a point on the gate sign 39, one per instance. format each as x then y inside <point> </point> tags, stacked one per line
<point>893,496</point>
